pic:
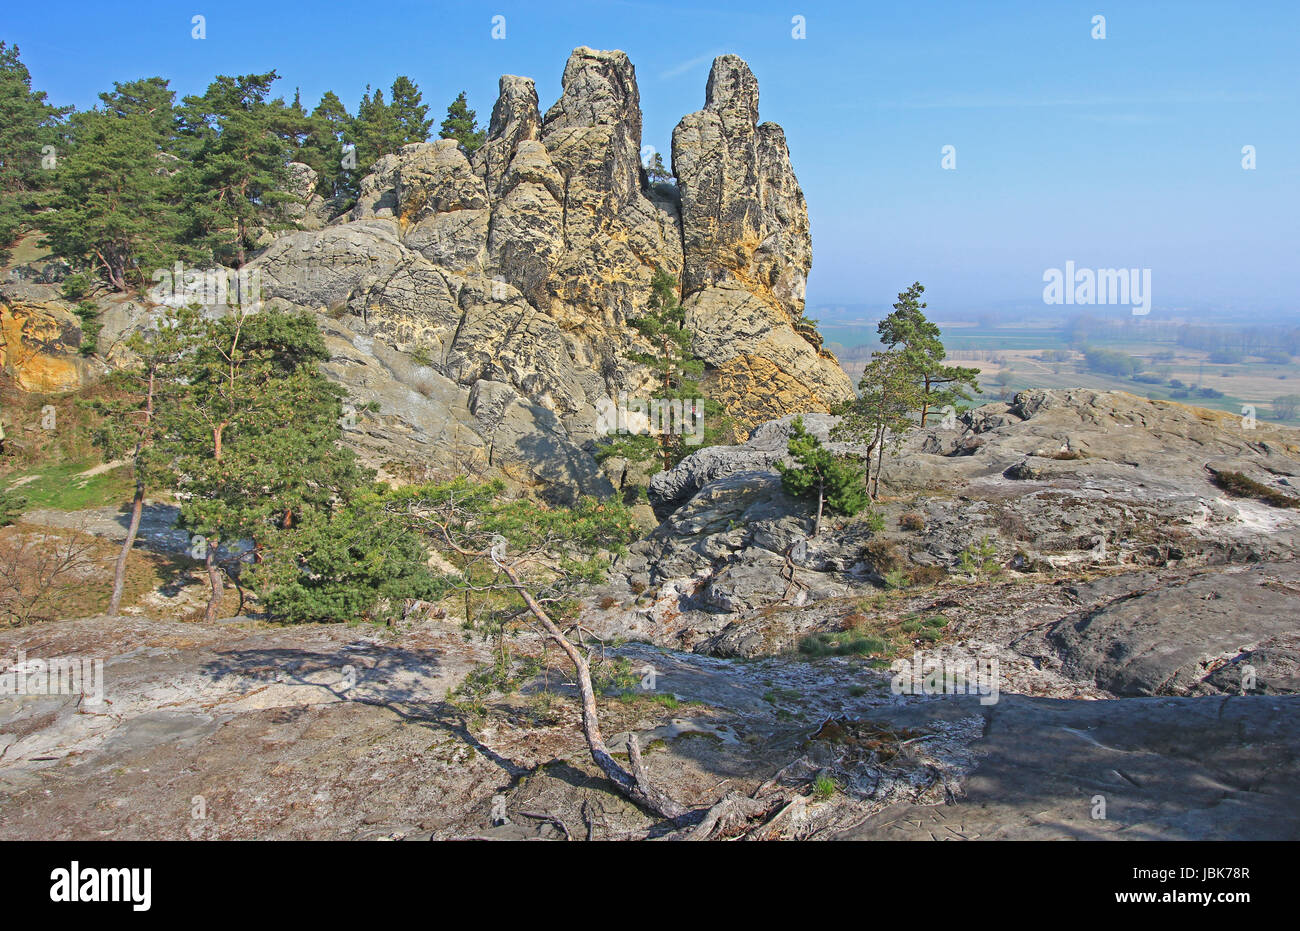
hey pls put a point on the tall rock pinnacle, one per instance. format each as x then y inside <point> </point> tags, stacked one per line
<point>748,251</point>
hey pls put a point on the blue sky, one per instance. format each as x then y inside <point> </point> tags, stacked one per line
<point>1122,152</point>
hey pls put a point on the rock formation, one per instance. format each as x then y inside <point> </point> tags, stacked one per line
<point>512,276</point>
<point>747,251</point>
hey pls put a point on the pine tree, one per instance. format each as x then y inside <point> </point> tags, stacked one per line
<point>27,126</point>
<point>536,557</point>
<point>114,209</point>
<point>323,150</point>
<point>249,434</point>
<point>292,123</point>
<point>373,131</point>
<point>657,171</point>
<point>817,474</point>
<point>676,371</point>
<point>151,97</point>
<point>461,124</point>
<point>881,415</point>
<point>410,115</point>
<point>923,353</point>
<point>129,427</point>
<point>236,178</point>
<point>354,559</point>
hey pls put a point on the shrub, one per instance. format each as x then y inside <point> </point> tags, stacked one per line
<point>874,520</point>
<point>36,569</point>
<point>897,579</point>
<point>846,643</point>
<point>980,559</point>
<point>1239,486</point>
<point>88,313</point>
<point>1110,362</point>
<point>854,621</point>
<point>882,555</point>
<point>823,787</point>
<point>77,285</point>
<point>912,520</point>
<point>11,507</point>
<point>928,575</point>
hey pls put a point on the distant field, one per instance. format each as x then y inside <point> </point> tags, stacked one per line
<point>1017,350</point>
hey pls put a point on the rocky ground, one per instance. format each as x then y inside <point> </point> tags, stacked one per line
<point>237,731</point>
<point>1139,622</point>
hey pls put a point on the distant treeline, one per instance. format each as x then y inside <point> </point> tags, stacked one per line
<point>1226,344</point>
<point>1269,341</point>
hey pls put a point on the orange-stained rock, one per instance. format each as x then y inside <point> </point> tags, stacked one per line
<point>39,343</point>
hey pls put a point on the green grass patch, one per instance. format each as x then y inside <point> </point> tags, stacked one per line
<point>877,636</point>
<point>823,787</point>
<point>842,643</point>
<point>62,486</point>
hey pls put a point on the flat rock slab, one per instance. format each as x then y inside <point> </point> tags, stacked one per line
<point>1173,637</point>
<point>1165,768</point>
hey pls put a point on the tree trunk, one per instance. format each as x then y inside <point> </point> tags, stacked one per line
<point>137,508</point>
<point>119,570</point>
<point>880,464</point>
<point>866,472</point>
<point>821,500</point>
<point>214,578</point>
<point>635,785</point>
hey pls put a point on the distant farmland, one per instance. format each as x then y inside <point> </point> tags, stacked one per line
<point>1013,358</point>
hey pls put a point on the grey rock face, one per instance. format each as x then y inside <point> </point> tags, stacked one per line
<point>309,211</point>
<point>515,119</point>
<point>748,250</point>
<point>1193,636</point>
<point>765,447</point>
<point>743,214</point>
